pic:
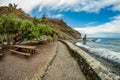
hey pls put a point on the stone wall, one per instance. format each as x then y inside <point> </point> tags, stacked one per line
<point>91,68</point>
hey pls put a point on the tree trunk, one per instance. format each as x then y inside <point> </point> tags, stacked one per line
<point>8,39</point>
<point>3,37</point>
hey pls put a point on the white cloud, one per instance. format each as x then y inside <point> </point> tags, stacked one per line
<point>115,17</point>
<point>57,16</point>
<point>90,23</point>
<point>112,27</point>
<point>54,16</point>
<point>65,5</point>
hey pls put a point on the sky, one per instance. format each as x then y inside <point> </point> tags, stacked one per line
<point>96,18</point>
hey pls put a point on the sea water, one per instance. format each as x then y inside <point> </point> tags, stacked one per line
<point>108,49</point>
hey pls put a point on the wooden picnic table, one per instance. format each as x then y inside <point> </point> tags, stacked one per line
<point>23,49</point>
<point>24,46</point>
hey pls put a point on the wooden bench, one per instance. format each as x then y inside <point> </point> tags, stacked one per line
<point>24,50</point>
<point>23,53</point>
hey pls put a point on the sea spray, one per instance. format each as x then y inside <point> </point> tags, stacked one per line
<point>105,48</point>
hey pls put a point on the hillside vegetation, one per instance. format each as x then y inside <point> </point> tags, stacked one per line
<point>16,25</point>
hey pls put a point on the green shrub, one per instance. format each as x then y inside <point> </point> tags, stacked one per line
<point>49,39</point>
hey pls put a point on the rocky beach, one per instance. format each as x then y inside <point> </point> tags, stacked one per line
<point>110,64</point>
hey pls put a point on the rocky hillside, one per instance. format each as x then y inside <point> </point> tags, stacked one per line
<point>64,31</point>
<point>18,12</point>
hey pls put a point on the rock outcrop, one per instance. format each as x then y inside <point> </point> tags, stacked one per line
<point>64,31</point>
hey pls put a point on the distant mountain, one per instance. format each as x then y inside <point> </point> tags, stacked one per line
<point>64,31</point>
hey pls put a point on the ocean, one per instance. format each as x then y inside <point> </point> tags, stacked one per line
<point>106,48</point>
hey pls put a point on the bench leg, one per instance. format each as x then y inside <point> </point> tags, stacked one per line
<point>12,53</point>
<point>1,56</point>
<point>32,51</point>
<point>26,56</point>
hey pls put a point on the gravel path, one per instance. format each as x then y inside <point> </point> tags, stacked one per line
<point>64,67</point>
<point>16,67</point>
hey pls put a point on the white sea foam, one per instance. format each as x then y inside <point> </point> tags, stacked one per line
<point>102,52</point>
<point>98,40</point>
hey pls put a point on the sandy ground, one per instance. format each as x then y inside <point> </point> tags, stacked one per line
<point>16,67</point>
<point>64,67</point>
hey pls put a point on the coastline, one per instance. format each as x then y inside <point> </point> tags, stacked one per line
<point>92,68</point>
<point>113,66</point>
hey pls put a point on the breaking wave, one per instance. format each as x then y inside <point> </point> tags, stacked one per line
<point>107,51</point>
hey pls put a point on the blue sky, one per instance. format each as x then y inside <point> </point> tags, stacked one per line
<point>96,18</point>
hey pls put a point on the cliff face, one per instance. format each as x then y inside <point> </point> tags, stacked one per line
<point>64,31</point>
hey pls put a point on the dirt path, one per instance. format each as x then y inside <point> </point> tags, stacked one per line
<point>64,67</point>
<point>16,67</point>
